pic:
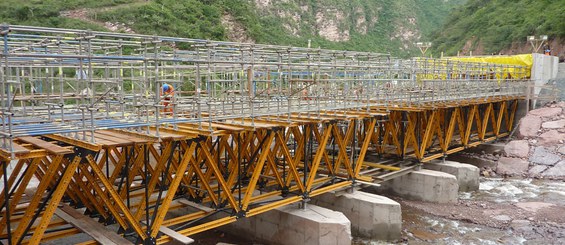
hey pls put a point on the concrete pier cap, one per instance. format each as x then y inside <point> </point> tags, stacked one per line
<point>467,175</point>
<point>424,185</point>
<point>292,224</point>
<point>372,216</point>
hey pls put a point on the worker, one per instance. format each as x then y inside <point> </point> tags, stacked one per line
<point>168,93</point>
<point>547,50</point>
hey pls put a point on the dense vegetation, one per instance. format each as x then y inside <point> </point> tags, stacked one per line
<point>198,19</point>
<point>495,24</point>
<point>202,19</point>
<point>47,12</point>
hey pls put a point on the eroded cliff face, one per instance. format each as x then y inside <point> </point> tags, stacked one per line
<point>397,23</point>
<point>235,30</point>
<point>332,20</point>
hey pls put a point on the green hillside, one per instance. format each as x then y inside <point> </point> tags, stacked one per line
<point>365,25</point>
<point>496,24</point>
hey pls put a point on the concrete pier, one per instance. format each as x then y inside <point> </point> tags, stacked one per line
<point>293,225</point>
<point>467,175</point>
<point>424,185</point>
<point>372,216</point>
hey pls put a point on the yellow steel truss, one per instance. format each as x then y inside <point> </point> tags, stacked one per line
<point>239,169</point>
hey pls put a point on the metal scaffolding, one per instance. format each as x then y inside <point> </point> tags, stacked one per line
<point>250,127</point>
<point>76,82</point>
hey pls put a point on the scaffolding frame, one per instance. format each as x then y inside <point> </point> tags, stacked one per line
<point>76,82</point>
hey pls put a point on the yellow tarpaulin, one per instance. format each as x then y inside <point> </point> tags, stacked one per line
<point>484,67</point>
<point>519,60</point>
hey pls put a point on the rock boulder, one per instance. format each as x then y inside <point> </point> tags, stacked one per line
<point>557,170</point>
<point>546,112</point>
<point>543,156</point>
<point>550,138</point>
<point>561,149</point>
<point>511,166</point>
<point>554,124</point>
<point>536,170</point>
<point>529,126</point>
<point>517,148</point>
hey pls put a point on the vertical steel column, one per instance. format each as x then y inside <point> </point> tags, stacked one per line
<point>7,200</point>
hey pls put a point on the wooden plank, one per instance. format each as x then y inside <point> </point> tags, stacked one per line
<point>118,141</point>
<point>278,121</point>
<point>221,126</point>
<point>167,136</point>
<point>101,142</point>
<point>18,149</point>
<point>89,226</point>
<point>194,128</point>
<point>175,235</point>
<point>129,137</point>
<point>195,205</point>
<point>140,135</point>
<point>50,147</point>
<point>256,123</point>
<point>76,142</point>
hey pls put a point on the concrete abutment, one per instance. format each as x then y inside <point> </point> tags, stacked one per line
<point>424,185</point>
<point>293,225</point>
<point>467,175</point>
<point>372,216</point>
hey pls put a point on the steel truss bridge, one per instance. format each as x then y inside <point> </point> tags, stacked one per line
<point>87,139</point>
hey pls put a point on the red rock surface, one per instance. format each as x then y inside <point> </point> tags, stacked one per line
<point>554,124</point>
<point>529,126</point>
<point>511,166</point>
<point>517,148</point>
<point>550,138</point>
<point>546,112</point>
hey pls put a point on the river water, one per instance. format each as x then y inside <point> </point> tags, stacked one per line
<point>502,211</point>
<point>501,190</point>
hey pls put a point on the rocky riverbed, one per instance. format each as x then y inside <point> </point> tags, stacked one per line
<point>502,211</point>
